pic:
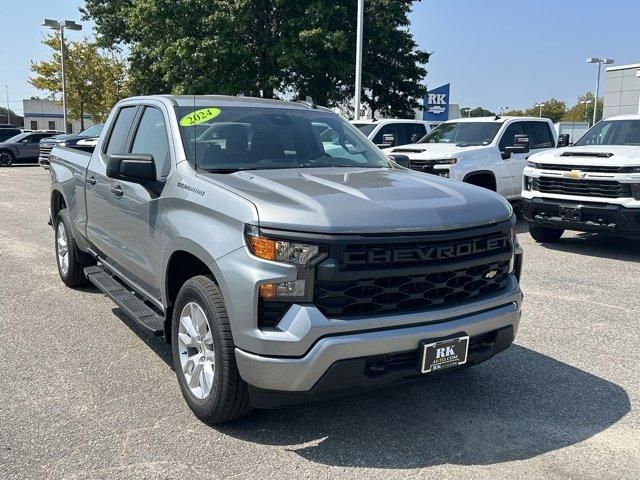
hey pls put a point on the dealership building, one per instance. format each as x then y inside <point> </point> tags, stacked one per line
<point>48,115</point>
<point>622,90</point>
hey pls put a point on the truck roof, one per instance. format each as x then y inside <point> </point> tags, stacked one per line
<point>630,116</point>
<point>498,118</point>
<point>227,101</point>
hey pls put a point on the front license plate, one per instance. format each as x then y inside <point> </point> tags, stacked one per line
<point>570,213</point>
<point>444,354</point>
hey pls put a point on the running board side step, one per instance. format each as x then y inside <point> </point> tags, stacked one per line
<point>132,305</point>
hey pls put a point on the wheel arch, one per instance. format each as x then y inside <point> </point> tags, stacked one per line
<point>58,202</point>
<point>482,174</point>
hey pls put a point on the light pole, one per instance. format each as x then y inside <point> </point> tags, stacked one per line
<point>468,109</point>
<point>8,119</point>
<point>539,105</point>
<point>61,25</point>
<point>585,103</point>
<point>359,33</point>
<point>503,109</point>
<point>599,61</point>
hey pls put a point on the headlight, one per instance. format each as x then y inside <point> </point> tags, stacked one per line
<point>62,144</point>
<point>533,165</point>
<point>303,255</point>
<point>446,161</point>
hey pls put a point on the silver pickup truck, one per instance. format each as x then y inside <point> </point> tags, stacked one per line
<point>280,252</point>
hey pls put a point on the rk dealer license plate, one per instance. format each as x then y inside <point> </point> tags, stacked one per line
<point>444,354</point>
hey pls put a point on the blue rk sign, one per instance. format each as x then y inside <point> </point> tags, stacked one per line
<point>436,104</point>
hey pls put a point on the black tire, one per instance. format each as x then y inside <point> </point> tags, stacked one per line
<point>6,158</point>
<point>77,261</point>
<point>229,396</point>
<point>545,234</point>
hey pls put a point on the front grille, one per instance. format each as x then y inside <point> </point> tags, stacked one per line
<point>586,188</point>
<point>45,151</point>
<point>406,293</point>
<point>587,168</point>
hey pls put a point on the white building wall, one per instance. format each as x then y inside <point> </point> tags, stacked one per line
<point>621,90</point>
<point>45,114</point>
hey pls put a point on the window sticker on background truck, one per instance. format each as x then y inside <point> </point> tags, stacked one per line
<point>199,116</point>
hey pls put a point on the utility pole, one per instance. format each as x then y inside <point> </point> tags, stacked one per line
<point>599,61</point>
<point>359,34</point>
<point>61,25</point>
<point>8,118</point>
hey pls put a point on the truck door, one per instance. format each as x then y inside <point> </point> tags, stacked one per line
<point>122,215</point>
<point>513,165</point>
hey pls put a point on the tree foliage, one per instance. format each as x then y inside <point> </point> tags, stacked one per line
<point>95,80</point>
<point>552,109</point>
<point>477,112</point>
<point>283,48</point>
<point>583,112</point>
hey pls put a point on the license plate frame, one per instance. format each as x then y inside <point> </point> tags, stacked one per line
<point>434,356</point>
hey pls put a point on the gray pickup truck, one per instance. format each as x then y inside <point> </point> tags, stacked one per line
<point>282,263</point>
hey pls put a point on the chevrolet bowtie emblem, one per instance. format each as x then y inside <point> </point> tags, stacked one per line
<point>574,174</point>
<point>490,274</point>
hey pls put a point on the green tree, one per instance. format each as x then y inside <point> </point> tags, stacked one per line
<point>283,48</point>
<point>552,109</point>
<point>477,112</point>
<point>95,80</point>
<point>583,112</point>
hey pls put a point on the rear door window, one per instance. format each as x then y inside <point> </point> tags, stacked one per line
<point>391,128</point>
<point>540,134</point>
<point>414,131</point>
<point>121,130</point>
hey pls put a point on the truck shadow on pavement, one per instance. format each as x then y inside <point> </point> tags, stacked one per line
<point>598,245</point>
<point>516,406</point>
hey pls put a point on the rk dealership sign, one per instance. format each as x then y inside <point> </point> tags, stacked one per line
<point>436,104</point>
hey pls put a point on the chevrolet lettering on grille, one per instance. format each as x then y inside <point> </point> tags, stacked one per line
<point>421,254</point>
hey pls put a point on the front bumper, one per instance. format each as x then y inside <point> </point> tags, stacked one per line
<point>584,217</point>
<point>301,378</point>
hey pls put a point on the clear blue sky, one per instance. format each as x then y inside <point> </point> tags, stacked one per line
<point>494,52</point>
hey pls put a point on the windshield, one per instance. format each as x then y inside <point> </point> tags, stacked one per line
<point>16,138</point>
<point>613,132</point>
<point>228,139</point>
<point>463,134</point>
<point>365,128</point>
<point>93,131</point>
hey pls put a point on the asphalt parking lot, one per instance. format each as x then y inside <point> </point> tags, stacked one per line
<point>85,394</point>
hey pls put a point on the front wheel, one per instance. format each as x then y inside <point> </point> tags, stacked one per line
<point>204,354</point>
<point>545,234</point>
<point>6,159</point>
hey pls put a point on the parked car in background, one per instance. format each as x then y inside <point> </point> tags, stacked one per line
<point>593,186</point>
<point>23,147</point>
<point>391,132</point>
<point>85,140</point>
<point>8,131</point>
<point>490,152</point>
<point>280,271</point>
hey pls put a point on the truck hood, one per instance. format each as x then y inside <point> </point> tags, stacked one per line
<point>357,200</point>
<point>431,151</point>
<point>620,156</point>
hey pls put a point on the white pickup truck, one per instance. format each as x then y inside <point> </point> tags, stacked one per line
<point>593,186</point>
<point>392,132</point>
<point>490,152</point>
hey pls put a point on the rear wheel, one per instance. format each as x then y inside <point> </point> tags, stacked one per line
<point>545,234</point>
<point>6,158</point>
<point>204,354</point>
<point>70,260</point>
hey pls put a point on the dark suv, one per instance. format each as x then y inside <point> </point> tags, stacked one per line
<point>22,147</point>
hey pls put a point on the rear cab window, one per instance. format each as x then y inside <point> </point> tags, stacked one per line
<point>540,135</point>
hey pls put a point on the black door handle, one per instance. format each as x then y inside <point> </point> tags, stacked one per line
<point>91,181</point>
<point>117,191</point>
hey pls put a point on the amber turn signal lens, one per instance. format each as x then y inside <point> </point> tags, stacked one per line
<point>268,290</point>
<point>263,247</point>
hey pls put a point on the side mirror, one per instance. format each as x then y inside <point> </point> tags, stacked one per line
<point>564,140</point>
<point>133,167</point>
<point>520,145</point>
<point>388,140</point>
<point>401,160</point>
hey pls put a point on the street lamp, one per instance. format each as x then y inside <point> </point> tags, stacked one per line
<point>585,103</point>
<point>61,25</point>
<point>359,32</point>
<point>503,109</point>
<point>599,61</point>
<point>468,110</point>
<point>540,105</point>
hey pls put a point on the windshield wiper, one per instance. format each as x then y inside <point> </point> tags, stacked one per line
<point>223,170</point>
